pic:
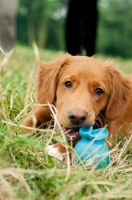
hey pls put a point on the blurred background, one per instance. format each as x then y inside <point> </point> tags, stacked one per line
<point>44,22</point>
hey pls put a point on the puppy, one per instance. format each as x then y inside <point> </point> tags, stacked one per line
<point>85,92</point>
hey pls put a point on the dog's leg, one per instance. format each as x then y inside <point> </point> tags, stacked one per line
<point>57,151</point>
<point>36,118</point>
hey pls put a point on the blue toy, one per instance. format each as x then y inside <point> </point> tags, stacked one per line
<point>92,147</point>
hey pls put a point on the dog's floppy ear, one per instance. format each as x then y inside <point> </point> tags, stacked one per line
<point>120,90</point>
<point>48,78</point>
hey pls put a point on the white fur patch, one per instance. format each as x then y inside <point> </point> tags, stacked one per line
<point>54,152</point>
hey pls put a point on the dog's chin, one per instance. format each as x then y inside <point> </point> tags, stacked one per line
<point>72,134</point>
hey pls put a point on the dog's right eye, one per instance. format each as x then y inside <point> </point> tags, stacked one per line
<point>98,91</point>
<point>68,84</point>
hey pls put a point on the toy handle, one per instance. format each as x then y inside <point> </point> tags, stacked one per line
<point>87,132</point>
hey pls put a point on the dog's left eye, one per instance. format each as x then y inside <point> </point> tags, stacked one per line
<point>98,91</point>
<point>68,84</point>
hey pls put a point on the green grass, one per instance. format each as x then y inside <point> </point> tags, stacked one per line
<point>26,171</point>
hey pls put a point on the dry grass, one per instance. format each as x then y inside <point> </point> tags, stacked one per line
<point>26,171</point>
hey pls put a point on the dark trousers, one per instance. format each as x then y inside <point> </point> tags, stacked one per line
<point>81,27</point>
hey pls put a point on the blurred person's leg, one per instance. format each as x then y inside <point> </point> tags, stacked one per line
<point>73,28</point>
<point>7,24</point>
<point>90,18</point>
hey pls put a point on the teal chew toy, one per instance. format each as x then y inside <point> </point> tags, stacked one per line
<point>92,147</point>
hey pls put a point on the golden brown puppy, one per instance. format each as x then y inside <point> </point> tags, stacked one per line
<point>84,91</point>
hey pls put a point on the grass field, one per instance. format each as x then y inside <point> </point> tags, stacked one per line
<point>26,171</point>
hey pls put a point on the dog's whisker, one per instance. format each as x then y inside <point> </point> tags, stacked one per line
<point>100,120</point>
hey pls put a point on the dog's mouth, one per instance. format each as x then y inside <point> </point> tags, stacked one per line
<point>72,134</point>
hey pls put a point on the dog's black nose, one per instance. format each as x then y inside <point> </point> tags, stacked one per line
<point>77,116</point>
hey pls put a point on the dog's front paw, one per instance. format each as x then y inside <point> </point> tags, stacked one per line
<point>53,151</point>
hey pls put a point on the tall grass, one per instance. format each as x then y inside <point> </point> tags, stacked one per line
<point>26,171</point>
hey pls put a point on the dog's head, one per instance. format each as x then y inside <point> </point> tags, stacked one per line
<point>82,89</point>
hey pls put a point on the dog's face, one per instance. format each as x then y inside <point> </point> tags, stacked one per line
<point>82,88</point>
<point>82,92</point>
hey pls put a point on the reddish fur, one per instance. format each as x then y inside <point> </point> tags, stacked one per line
<point>86,73</point>
<point>60,147</point>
